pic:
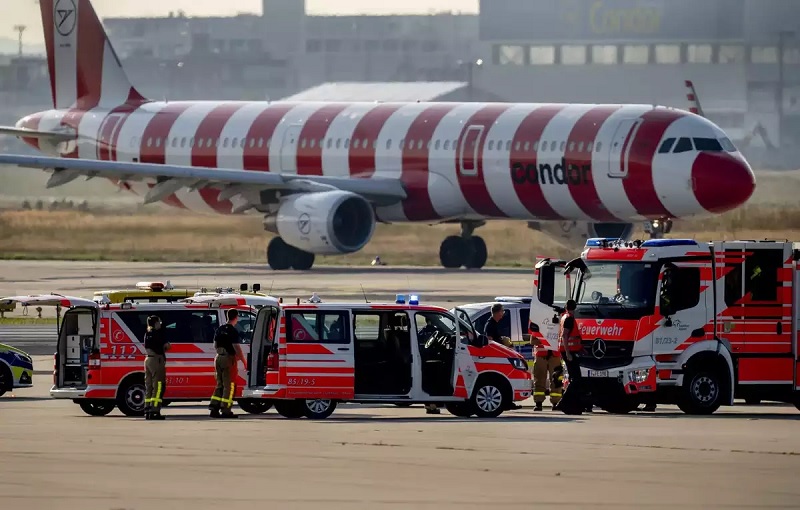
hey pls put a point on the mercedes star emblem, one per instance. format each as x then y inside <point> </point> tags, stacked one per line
<point>599,348</point>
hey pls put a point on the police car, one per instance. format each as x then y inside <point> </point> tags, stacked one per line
<point>514,323</point>
<point>16,369</point>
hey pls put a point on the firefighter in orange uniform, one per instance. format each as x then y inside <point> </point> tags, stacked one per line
<point>544,364</point>
<point>569,343</point>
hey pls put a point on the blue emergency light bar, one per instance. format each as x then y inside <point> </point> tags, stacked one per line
<point>597,242</point>
<point>660,243</point>
<point>413,299</point>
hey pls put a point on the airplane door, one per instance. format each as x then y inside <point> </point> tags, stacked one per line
<point>289,149</point>
<point>620,147</point>
<point>468,151</point>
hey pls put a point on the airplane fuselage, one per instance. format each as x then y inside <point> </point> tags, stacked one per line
<point>583,162</point>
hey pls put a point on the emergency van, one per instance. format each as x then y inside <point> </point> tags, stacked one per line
<point>677,321</point>
<point>307,357</point>
<point>99,359</point>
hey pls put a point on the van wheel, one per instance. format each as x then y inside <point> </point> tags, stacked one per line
<point>96,407</point>
<point>620,405</point>
<point>130,397</point>
<point>701,392</point>
<point>255,406</point>
<point>460,409</point>
<point>291,409</point>
<point>318,409</point>
<point>6,380</point>
<point>489,399</point>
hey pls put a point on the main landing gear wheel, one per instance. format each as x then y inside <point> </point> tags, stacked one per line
<point>281,256</point>
<point>457,251</point>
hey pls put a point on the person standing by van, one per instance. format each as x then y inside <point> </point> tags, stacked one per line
<point>155,368</point>
<point>225,340</point>
<point>573,400</point>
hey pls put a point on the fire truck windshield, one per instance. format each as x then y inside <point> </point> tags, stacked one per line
<point>617,289</point>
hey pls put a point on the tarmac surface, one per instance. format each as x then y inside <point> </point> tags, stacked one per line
<point>52,455</point>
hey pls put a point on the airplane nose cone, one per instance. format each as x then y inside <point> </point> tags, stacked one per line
<point>721,181</point>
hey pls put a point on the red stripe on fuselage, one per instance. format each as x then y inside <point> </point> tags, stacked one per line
<point>210,129</point>
<point>474,186</point>
<point>256,157</point>
<point>309,158</point>
<point>639,185</point>
<point>90,50</point>
<point>416,152</point>
<point>157,131</point>
<point>48,23</point>
<point>362,158</point>
<point>526,184</point>
<point>581,184</point>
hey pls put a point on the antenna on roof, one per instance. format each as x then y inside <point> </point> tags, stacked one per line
<point>270,288</point>
<point>365,294</point>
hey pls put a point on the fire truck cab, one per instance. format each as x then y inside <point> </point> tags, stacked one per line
<point>99,359</point>
<point>676,321</point>
<point>310,356</point>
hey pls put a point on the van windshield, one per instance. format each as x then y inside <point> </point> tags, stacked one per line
<point>617,289</point>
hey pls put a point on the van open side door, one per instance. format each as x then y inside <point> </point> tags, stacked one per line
<point>551,289</point>
<point>264,342</point>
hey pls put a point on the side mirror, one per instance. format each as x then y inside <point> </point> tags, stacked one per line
<point>481,341</point>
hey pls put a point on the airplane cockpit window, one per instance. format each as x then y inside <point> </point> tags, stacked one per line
<point>727,144</point>
<point>666,146</point>
<point>707,144</point>
<point>683,145</point>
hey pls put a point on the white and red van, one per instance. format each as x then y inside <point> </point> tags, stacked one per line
<point>99,357</point>
<point>308,357</point>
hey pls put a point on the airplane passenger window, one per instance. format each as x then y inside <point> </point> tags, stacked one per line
<point>419,144</point>
<point>508,145</point>
<point>225,143</point>
<point>580,147</point>
<point>183,142</point>
<point>158,142</point>
<point>216,143</point>
<point>242,142</point>
<point>374,144</point>
<point>553,146</point>
<point>347,143</point>
<point>535,146</point>
<point>252,143</point>
<point>589,146</point>
<point>388,144</point>
<point>191,142</point>
<point>303,143</point>
<point>598,146</point>
<point>330,142</point>
<point>338,143</point>
<point>149,142</point>
<point>447,145</point>
<point>357,144</point>
<point>727,144</point>
<point>402,143</point>
<point>707,144</point>
<point>436,145</point>
<point>260,142</point>
<point>527,146</point>
<point>312,143</point>
<point>563,145</point>
<point>666,146</point>
<point>428,145</point>
<point>200,142</point>
<point>683,145</point>
<point>174,142</point>
<point>516,145</point>
<point>491,144</point>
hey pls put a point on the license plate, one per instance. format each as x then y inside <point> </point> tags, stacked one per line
<point>598,373</point>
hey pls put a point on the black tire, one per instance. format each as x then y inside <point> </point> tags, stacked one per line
<point>6,380</point>
<point>479,253</point>
<point>451,252</point>
<point>130,396</point>
<point>460,409</point>
<point>301,260</point>
<point>279,254</point>
<point>490,398</point>
<point>620,405</point>
<point>96,407</point>
<point>318,409</point>
<point>255,406</point>
<point>291,409</point>
<point>701,393</point>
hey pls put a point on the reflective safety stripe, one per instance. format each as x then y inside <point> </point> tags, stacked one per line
<point>555,394</point>
<point>229,401</point>
<point>157,400</point>
<point>535,393</point>
<point>214,397</point>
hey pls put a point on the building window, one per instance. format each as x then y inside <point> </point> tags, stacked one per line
<point>668,54</point>
<point>542,55</point>
<point>764,55</point>
<point>731,54</point>
<point>573,54</point>
<point>636,54</point>
<point>511,55</point>
<point>604,54</point>
<point>699,53</point>
<point>791,55</point>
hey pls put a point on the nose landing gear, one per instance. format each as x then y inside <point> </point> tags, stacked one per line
<point>465,250</point>
<point>658,228</point>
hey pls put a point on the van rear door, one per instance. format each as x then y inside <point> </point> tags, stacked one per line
<point>78,335</point>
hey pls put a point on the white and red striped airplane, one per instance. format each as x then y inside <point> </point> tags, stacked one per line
<point>323,174</point>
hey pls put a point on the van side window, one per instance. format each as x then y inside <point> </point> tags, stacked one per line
<point>323,327</point>
<point>245,325</point>
<point>761,274</point>
<point>180,326</point>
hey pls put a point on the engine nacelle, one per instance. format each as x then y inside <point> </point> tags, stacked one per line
<point>573,234</point>
<point>324,223</point>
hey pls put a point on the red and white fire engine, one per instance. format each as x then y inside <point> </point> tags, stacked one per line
<point>303,358</point>
<point>678,321</point>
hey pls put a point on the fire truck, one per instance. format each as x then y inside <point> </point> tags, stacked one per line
<point>676,321</point>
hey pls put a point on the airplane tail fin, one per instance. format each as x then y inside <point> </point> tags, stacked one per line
<point>85,71</point>
<point>694,101</point>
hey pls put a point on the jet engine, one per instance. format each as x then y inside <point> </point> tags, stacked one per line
<point>324,223</point>
<point>573,234</point>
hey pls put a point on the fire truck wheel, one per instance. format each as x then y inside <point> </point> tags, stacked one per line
<point>130,397</point>
<point>318,409</point>
<point>291,409</point>
<point>255,406</point>
<point>96,407</point>
<point>701,392</point>
<point>490,397</point>
<point>460,409</point>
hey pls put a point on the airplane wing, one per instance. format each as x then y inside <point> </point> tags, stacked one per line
<point>382,191</point>
<point>30,133</point>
